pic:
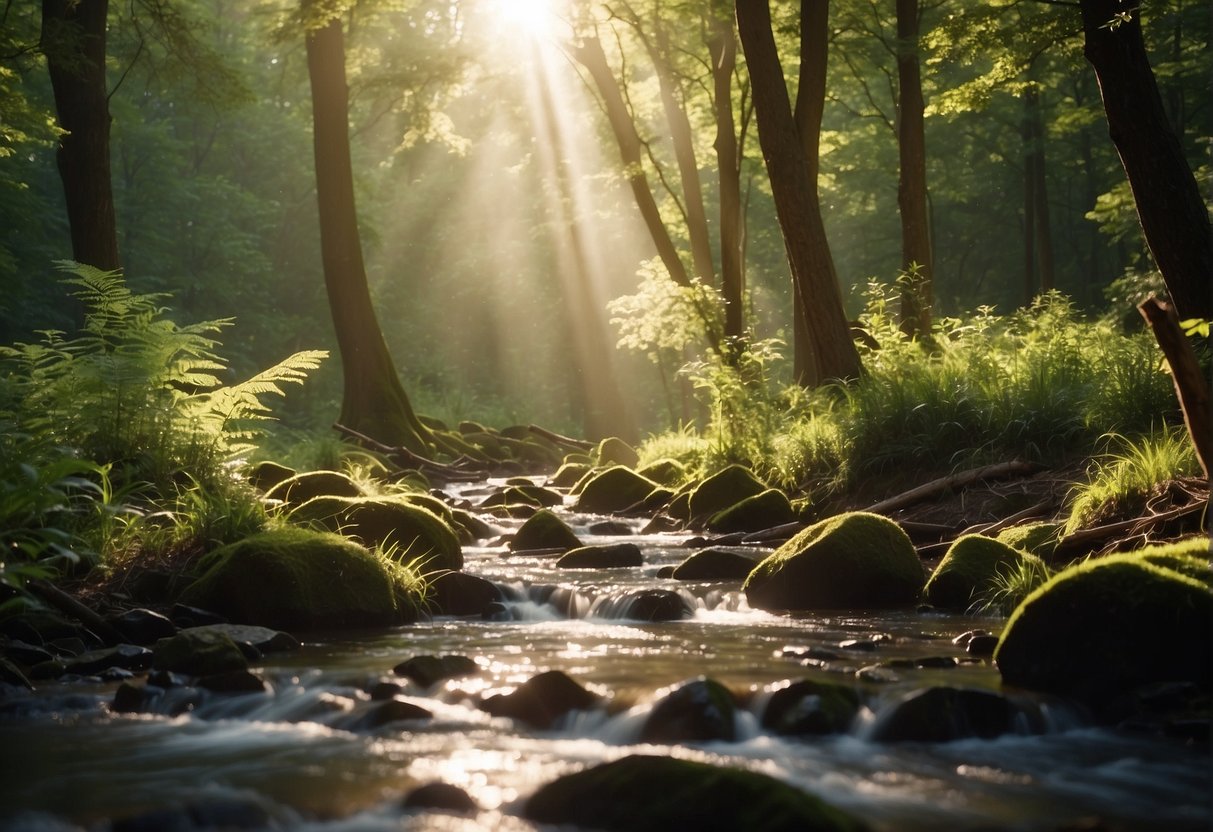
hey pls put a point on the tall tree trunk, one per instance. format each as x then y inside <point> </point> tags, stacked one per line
<point>722,48</point>
<point>373,401</point>
<point>1037,187</point>
<point>799,212</point>
<point>1169,205</point>
<point>73,40</point>
<point>917,296</point>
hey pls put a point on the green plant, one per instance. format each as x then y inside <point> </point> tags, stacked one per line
<point>1011,585</point>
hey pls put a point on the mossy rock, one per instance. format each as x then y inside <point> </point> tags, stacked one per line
<point>666,471</point>
<point>429,502</point>
<point>409,531</point>
<point>723,489</point>
<point>700,710</point>
<point>642,793</point>
<point>458,445</point>
<point>199,652</point>
<point>1187,557</point>
<point>1107,626</point>
<point>298,579</point>
<point>944,714</point>
<point>679,507</point>
<point>470,528</point>
<point>762,511</point>
<point>542,700</point>
<point>297,490</point>
<point>971,571</point>
<point>714,565</point>
<point>569,474</point>
<point>468,426</point>
<point>609,556</point>
<point>614,451</point>
<point>811,708</point>
<point>544,530</point>
<point>266,474</point>
<point>538,452</point>
<point>614,490</point>
<point>850,561</point>
<point>1039,539</point>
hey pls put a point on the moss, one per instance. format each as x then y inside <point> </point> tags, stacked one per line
<point>266,474</point>
<point>853,560</point>
<point>1187,557</point>
<point>723,489</point>
<point>430,503</point>
<point>680,507</point>
<point>614,451</point>
<point>1039,539</point>
<point>470,528</point>
<point>389,523</point>
<point>762,511</point>
<point>611,556</point>
<point>700,710</point>
<point>199,653</point>
<point>667,472</point>
<point>297,490</point>
<point>569,474</point>
<point>714,565</point>
<point>544,530</point>
<point>654,794</point>
<point>972,568</point>
<point>297,579</point>
<point>1107,626</point>
<point>614,489</point>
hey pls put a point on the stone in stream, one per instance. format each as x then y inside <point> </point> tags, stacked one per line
<point>199,652</point>
<point>700,710</point>
<point>613,528</point>
<point>211,814</point>
<point>385,713</point>
<point>723,489</point>
<point>141,626</point>
<point>392,524</point>
<point>233,681</point>
<point>542,700</point>
<point>665,471</point>
<point>261,639</point>
<point>855,560</point>
<point>441,797</point>
<point>458,593</point>
<point>973,568</point>
<point>715,565</point>
<point>644,605</point>
<point>614,451</point>
<point>124,656</point>
<point>642,793</point>
<point>614,490</point>
<point>607,556</point>
<point>428,671</point>
<point>569,474</point>
<point>811,708</point>
<point>765,510</point>
<point>544,530</point>
<point>944,714</point>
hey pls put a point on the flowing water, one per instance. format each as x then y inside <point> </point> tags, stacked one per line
<point>67,762</point>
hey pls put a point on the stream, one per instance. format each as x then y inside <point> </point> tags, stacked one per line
<point>67,762</point>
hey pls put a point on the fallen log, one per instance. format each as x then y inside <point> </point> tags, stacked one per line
<point>65,603</point>
<point>962,479</point>
<point>1083,541</point>
<point>559,439</point>
<point>405,458</point>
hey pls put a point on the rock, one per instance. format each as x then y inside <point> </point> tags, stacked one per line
<point>1109,625</point>
<point>458,593</point>
<point>614,451</point>
<point>665,471</point>
<point>723,489</point>
<point>1189,557</point>
<point>613,528</point>
<point>679,507</point>
<point>124,656</point>
<point>614,490</point>
<point>382,691</point>
<point>762,511</point>
<point>643,605</point>
<point>641,793</point>
<point>393,710</point>
<point>850,561</point>
<point>132,698</point>
<point>944,714</point>
<point>542,700</point>
<point>233,681</point>
<point>199,652</point>
<point>213,814</point>
<point>544,530</point>
<point>184,616</point>
<point>37,626</point>
<point>441,797</point>
<point>1039,539</point>
<point>714,565</point>
<point>143,627</point>
<point>428,671</point>
<point>569,474</point>
<point>983,645</point>
<point>266,474</point>
<point>297,490</point>
<point>393,525</point>
<point>971,570</point>
<point>700,710</point>
<point>296,579</point>
<point>262,639</point>
<point>608,556</point>
<point>473,527</point>
<point>811,708</point>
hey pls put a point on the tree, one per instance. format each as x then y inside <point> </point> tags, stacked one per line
<point>816,285</point>
<point>916,260</point>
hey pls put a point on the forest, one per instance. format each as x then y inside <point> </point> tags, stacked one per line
<point>605,414</point>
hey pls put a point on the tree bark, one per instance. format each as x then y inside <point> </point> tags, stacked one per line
<point>373,400</point>
<point>799,212</point>
<point>722,48</point>
<point>1191,386</point>
<point>1038,191</point>
<point>1173,215</point>
<point>73,40</point>
<point>917,296</point>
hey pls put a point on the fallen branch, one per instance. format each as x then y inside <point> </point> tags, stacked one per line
<point>1032,512</point>
<point>559,439</point>
<point>1085,540</point>
<point>1001,470</point>
<point>65,603</point>
<point>408,459</point>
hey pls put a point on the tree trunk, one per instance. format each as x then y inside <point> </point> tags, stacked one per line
<point>1031,287</point>
<point>722,47</point>
<point>917,296</point>
<point>799,212</point>
<point>1173,215</point>
<point>373,400</point>
<point>1038,188</point>
<point>73,40</point>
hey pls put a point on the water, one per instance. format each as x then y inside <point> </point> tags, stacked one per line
<point>299,753</point>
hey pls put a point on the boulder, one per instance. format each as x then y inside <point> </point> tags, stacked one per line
<point>541,701</point>
<point>458,593</point>
<point>408,532</point>
<point>811,708</point>
<point>607,556</point>
<point>701,710</point>
<point>614,490</point>
<point>140,626</point>
<point>544,530</point>
<point>1039,539</point>
<point>642,793</point>
<point>714,565</point>
<point>973,568</point>
<point>522,495</point>
<point>1187,557</point>
<point>568,474</point>
<point>668,472</point>
<point>1106,626</point>
<point>260,639</point>
<point>944,714</point>
<point>266,474</point>
<point>723,489</point>
<point>233,682</point>
<point>428,671</point>
<point>470,528</point>
<point>614,451</point>
<point>296,579</point>
<point>199,652</point>
<point>765,510</point>
<point>392,710</point>
<point>297,490</point>
<point>850,561</point>
<point>441,797</point>
<point>643,605</point>
<point>123,657</point>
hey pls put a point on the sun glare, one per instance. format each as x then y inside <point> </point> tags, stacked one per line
<point>532,18</point>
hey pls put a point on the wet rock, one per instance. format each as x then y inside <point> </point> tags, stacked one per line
<point>428,671</point>
<point>141,626</point>
<point>936,662</point>
<point>643,605</point>
<point>656,794</point>
<point>441,797</point>
<point>167,679</point>
<point>544,530</point>
<point>458,593</point>
<point>851,561</point>
<point>233,681</point>
<point>199,652</point>
<point>982,645</point>
<point>661,523</point>
<point>382,691</point>
<point>124,656</point>
<point>715,565</point>
<point>665,573</point>
<point>723,489</point>
<point>973,568</point>
<point>261,639</point>
<point>183,615</point>
<point>811,708</point>
<point>610,527</point>
<point>47,670</point>
<point>297,490</point>
<point>609,556</point>
<point>878,675</point>
<point>473,527</point>
<point>569,474</point>
<point>542,700</point>
<point>668,472</point>
<point>393,710</point>
<point>867,645</point>
<point>765,510</point>
<point>820,654</point>
<point>943,714</point>
<point>214,814</point>
<point>700,710</point>
<point>392,524</point>
<point>614,490</point>
<point>266,474</point>
<point>133,698</point>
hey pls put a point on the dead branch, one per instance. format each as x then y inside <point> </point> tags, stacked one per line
<point>963,479</point>
<point>408,459</point>
<point>67,604</point>
<point>559,439</point>
<point>1088,539</point>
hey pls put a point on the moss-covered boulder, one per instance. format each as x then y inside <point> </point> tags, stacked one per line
<point>973,569</point>
<point>409,532</point>
<point>297,579</point>
<point>266,474</point>
<point>614,451</point>
<point>1187,557</point>
<point>528,494</point>
<point>606,556</point>
<point>849,561</point>
<point>1039,539</point>
<point>199,652</point>
<point>762,511</point>
<point>568,474</point>
<point>715,565</point>
<point>458,593</point>
<point>544,530</point>
<point>613,490</point>
<point>723,489</point>
<point>665,471</point>
<point>428,671</point>
<point>700,710</point>
<point>813,708</point>
<point>643,793</point>
<point>542,700</point>
<point>470,528</point>
<point>1108,626</point>
<point>944,714</point>
<point>297,490</point>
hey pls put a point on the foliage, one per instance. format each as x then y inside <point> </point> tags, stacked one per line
<point>1010,586</point>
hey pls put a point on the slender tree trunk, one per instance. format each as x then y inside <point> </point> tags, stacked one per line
<point>799,213</point>
<point>917,296</point>
<point>373,401</point>
<point>1173,215</point>
<point>1031,286</point>
<point>1038,188</point>
<point>73,40</point>
<point>722,47</point>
